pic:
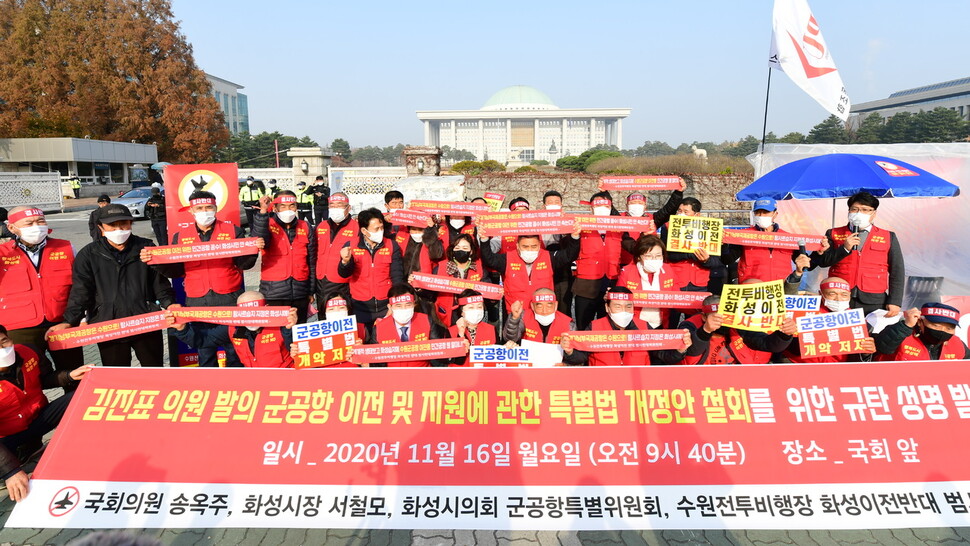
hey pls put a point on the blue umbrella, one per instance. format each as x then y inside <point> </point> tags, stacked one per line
<point>160,166</point>
<point>833,176</point>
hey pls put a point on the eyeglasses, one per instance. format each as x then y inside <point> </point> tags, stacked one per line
<point>867,210</point>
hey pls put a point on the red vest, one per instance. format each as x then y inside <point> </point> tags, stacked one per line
<point>628,358</point>
<point>284,260</point>
<point>630,278</point>
<point>372,274</point>
<point>599,256</point>
<point>533,331</point>
<point>913,349</point>
<point>764,264</point>
<point>328,253</point>
<point>690,271</point>
<point>270,350</point>
<point>484,335</point>
<point>444,233</point>
<point>626,257</point>
<point>739,353</point>
<point>519,284</point>
<point>445,303</point>
<point>868,271</point>
<point>30,296</point>
<point>220,275</point>
<point>18,408</point>
<point>425,265</point>
<point>387,331</point>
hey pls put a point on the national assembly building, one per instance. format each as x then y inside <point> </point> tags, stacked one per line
<point>520,124</point>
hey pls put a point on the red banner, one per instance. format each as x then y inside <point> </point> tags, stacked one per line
<point>670,299</point>
<point>450,208</point>
<point>409,350</point>
<point>203,251</point>
<point>451,285</point>
<point>266,316</point>
<point>640,182</point>
<point>771,240</point>
<point>221,179</point>
<point>412,218</point>
<point>617,223</point>
<point>868,445</point>
<point>598,341</point>
<point>529,222</point>
<point>105,331</point>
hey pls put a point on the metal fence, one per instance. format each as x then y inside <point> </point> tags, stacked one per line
<point>42,190</point>
<point>283,176</point>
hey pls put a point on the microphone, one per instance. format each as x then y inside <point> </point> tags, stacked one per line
<point>801,248</point>
<point>854,229</point>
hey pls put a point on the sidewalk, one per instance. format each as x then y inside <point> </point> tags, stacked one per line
<point>75,205</point>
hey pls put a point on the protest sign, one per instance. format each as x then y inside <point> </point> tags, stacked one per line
<point>203,251</point>
<point>759,307</point>
<point>627,340</point>
<point>494,200</point>
<point>409,350</point>
<point>526,222</point>
<point>106,331</point>
<point>411,218</point>
<point>498,356</point>
<point>263,316</point>
<point>639,183</point>
<point>453,285</point>
<point>687,233</point>
<point>449,208</point>
<point>766,239</point>
<point>668,299</point>
<point>623,224</point>
<point>831,334</point>
<point>323,343</point>
<point>797,306</point>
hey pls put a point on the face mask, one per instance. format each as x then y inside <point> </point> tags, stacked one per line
<point>118,236</point>
<point>416,237</point>
<point>249,182</point>
<point>553,207</point>
<point>545,320</point>
<point>286,216</point>
<point>336,315</point>
<point>33,235</point>
<point>763,222</point>
<point>461,256</point>
<point>252,328</point>
<point>635,210</point>
<point>860,220</point>
<point>402,316</point>
<point>934,337</point>
<point>529,256</point>
<point>301,188</point>
<point>621,319</point>
<point>457,223</point>
<point>376,236</point>
<point>205,218</point>
<point>7,357</point>
<point>338,215</point>
<point>651,266</point>
<point>474,316</point>
<point>601,211</point>
<point>836,306</point>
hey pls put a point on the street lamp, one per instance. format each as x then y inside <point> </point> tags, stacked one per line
<point>420,166</point>
<point>304,166</point>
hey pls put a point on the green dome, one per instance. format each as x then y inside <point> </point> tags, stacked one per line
<point>519,97</point>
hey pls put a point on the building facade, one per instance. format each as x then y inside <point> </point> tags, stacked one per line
<point>953,94</point>
<point>95,162</point>
<point>234,105</point>
<point>520,124</point>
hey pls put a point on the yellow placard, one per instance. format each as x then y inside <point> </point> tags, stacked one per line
<point>759,307</point>
<point>687,233</point>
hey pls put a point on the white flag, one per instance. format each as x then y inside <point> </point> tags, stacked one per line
<point>798,49</point>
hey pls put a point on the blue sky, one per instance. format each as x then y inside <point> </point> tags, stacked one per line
<point>690,70</point>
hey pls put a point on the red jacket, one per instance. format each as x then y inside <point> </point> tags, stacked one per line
<point>519,283</point>
<point>913,349</point>
<point>533,331</point>
<point>371,278</point>
<point>628,358</point>
<point>284,260</point>
<point>737,351</point>
<point>328,252</point>
<point>30,296</point>
<point>868,271</point>
<point>484,335</point>
<point>764,264</point>
<point>270,350</point>
<point>690,271</point>
<point>599,256</point>
<point>19,408</point>
<point>630,278</point>
<point>220,275</point>
<point>425,265</point>
<point>387,331</point>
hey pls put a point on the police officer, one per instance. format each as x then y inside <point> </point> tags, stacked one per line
<point>249,199</point>
<point>304,203</point>
<point>155,210</point>
<point>75,185</point>
<point>321,199</point>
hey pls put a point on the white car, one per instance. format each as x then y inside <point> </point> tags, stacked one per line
<point>135,201</point>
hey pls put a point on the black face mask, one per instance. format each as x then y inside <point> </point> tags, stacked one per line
<point>934,337</point>
<point>461,256</point>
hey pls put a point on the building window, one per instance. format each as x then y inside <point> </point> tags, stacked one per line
<point>527,155</point>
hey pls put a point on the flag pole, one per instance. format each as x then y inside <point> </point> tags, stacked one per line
<point>764,127</point>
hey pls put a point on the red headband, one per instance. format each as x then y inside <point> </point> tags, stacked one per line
<point>280,199</point>
<point>339,199</point>
<point>602,202</point>
<point>519,205</point>
<point>254,303</point>
<point>636,197</point>
<point>26,213</point>
<point>712,308</point>
<point>539,298</point>
<point>336,302</point>
<point>835,285</point>
<point>619,296</point>
<point>471,299</point>
<point>403,298</point>
<point>939,312</point>
<point>202,201</point>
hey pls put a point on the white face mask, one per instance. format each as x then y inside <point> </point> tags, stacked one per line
<point>417,237</point>
<point>651,265</point>
<point>553,207</point>
<point>473,316</point>
<point>836,306</point>
<point>529,256</point>
<point>7,357</point>
<point>118,236</point>
<point>337,315</point>
<point>338,215</point>
<point>376,236</point>
<point>252,328</point>
<point>763,222</point>
<point>402,316</point>
<point>457,223</point>
<point>286,216</point>
<point>621,319</point>
<point>860,220</point>
<point>545,320</point>
<point>33,235</point>
<point>636,210</point>
<point>205,218</point>
<point>601,211</point>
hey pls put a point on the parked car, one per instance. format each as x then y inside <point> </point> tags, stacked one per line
<point>135,201</point>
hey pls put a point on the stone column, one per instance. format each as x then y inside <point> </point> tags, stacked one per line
<point>427,133</point>
<point>481,140</point>
<point>619,133</point>
<point>317,160</point>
